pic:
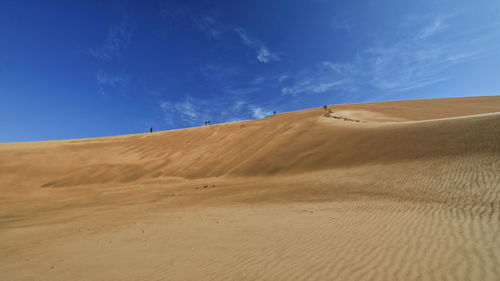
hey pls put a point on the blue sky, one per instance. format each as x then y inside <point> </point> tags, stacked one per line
<point>74,69</point>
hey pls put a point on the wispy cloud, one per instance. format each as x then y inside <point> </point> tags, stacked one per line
<point>259,112</point>
<point>321,78</point>
<point>116,42</point>
<point>111,82</point>
<point>214,29</point>
<point>209,26</point>
<point>194,112</point>
<point>419,61</point>
<point>283,77</point>
<point>263,54</point>
<point>407,66</point>
<point>403,66</point>
<point>186,111</point>
<point>244,37</point>
<point>431,29</point>
<point>414,61</point>
<point>310,85</point>
<point>187,108</point>
<point>169,111</point>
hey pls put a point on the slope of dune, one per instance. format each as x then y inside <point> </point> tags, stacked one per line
<point>403,190</point>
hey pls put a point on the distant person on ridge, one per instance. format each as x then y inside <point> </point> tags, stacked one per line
<point>325,107</point>
<point>151,129</point>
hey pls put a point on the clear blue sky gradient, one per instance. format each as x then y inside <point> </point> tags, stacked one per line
<point>75,69</point>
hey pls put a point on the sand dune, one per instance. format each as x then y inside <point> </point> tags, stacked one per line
<point>404,190</point>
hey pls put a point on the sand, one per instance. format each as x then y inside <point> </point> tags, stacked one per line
<point>404,190</point>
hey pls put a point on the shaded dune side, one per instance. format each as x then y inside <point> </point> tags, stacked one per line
<point>288,143</point>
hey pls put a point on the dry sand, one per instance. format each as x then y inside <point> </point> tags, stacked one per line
<point>406,190</point>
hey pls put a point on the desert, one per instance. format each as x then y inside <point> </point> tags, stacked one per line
<point>402,190</point>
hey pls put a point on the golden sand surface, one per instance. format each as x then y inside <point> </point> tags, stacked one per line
<point>403,190</point>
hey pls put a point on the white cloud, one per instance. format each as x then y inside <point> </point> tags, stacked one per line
<point>432,29</point>
<point>214,29</point>
<point>187,112</point>
<point>265,56</point>
<point>109,79</point>
<point>190,112</point>
<point>259,112</point>
<point>283,77</point>
<point>168,110</point>
<point>324,77</point>
<point>410,63</point>
<point>194,112</point>
<point>117,41</point>
<point>245,39</point>
<point>210,26</point>
<point>111,82</point>
<point>340,68</point>
<point>312,86</point>
<point>188,109</point>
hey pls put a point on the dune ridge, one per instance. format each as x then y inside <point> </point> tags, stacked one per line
<point>403,190</point>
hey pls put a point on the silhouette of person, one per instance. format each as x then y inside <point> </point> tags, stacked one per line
<point>151,129</point>
<point>274,112</point>
<point>325,107</point>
